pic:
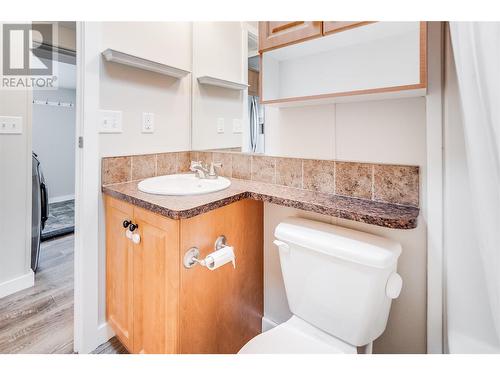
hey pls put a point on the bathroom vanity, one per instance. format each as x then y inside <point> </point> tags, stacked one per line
<point>156,305</point>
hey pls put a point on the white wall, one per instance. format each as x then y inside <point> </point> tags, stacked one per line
<point>54,141</point>
<point>15,193</point>
<point>66,36</point>
<point>219,50</point>
<point>134,91</point>
<point>390,131</point>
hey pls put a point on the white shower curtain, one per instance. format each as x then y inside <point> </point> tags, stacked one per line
<point>476,48</point>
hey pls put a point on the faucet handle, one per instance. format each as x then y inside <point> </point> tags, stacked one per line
<point>194,163</point>
<point>212,168</point>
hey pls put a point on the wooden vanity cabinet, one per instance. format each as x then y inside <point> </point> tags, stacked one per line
<point>156,283</point>
<point>156,305</point>
<point>119,272</point>
<point>221,310</point>
<point>274,34</point>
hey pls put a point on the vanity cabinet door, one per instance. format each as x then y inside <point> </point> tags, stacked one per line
<point>156,284</point>
<point>330,27</point>
<point>274,34</point>
<point>119,271</point>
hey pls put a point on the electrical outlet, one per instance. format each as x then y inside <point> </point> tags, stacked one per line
<point>148,122</point>
<point>11,125</point>
<point>220,125</point>
<point>111,122</point>
<point>237,129</point>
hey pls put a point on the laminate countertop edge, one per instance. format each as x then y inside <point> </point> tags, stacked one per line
<point>381,214</point>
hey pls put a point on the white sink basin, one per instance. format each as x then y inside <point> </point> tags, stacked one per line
<point>182,184</point>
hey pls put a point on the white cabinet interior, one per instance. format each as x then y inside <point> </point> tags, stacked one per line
<point>379,58</point>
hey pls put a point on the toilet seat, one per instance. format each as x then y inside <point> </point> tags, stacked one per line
<point>296,336</point>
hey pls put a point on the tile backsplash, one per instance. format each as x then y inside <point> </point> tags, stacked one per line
<point>398,184</point>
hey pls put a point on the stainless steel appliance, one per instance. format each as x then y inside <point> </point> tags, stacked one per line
<point>256,116</point>
<point>40,209</point>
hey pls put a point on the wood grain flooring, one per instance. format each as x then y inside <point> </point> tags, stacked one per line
<point>113,346</point>
<point>40,319</point>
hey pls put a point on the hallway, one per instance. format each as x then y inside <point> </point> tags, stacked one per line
<point>40,319</point>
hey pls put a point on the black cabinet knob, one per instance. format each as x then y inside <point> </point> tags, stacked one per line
<point>132,227</point>
<point>126,223</point>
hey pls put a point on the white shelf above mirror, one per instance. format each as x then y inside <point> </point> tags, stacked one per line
<point>214,81</point>
<point>144,64</point>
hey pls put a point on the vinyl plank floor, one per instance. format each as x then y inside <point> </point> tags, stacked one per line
<point>40,319</point>
<point>61,219</point>
<point>113,346</point>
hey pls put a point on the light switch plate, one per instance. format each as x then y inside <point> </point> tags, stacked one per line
<point>220,125</point>
<point>111,122</point>
<point>11,125</point>
<point>148,122</point>
<point>237,129</point>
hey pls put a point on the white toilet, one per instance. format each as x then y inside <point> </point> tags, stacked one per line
<point>339,284</point>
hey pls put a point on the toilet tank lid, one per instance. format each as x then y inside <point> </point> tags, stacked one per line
<point>347,244</point>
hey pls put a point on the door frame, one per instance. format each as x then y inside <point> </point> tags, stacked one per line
<point>434,210</point>
<point>88,331</point>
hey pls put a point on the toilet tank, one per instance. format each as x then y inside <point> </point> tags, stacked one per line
<point>337,279</point>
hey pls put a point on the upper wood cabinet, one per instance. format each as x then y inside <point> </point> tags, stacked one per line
<point>253,82</point>
<point>330,27</point>
<point>274,34</point>
<point>354,61</point>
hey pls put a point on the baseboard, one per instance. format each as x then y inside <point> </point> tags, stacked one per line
<point>19,283</point>
<point>104,333</point>
<point>61,198</point>
<point>267,324</point>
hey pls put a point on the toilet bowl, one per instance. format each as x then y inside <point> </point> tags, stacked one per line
<point>296,336</point>
<point>339,285</point>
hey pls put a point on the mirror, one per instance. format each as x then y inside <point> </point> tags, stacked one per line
<point>226,113</point>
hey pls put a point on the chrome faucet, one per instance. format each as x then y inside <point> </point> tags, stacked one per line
<point>201,171</point>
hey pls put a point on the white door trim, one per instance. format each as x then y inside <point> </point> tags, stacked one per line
<point>86,325</point>
<point>434,175</point>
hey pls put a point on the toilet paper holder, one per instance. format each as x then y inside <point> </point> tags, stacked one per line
<point>191,257</point>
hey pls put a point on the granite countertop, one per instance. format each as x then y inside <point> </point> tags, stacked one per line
<point>183,207</point>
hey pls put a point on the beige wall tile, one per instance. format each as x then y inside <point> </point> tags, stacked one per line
<point>166,163</point>
<point>205,157</point>
<point>226,161</point>
<point>241,166</point>
<point>115,170</point>
<point>319,175</point>
<point>143,166</point>
<point>263,169</point>
<point>396,184</point>
<point>289,172</point>
<point>353,179</point>
<point>183,161</point>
